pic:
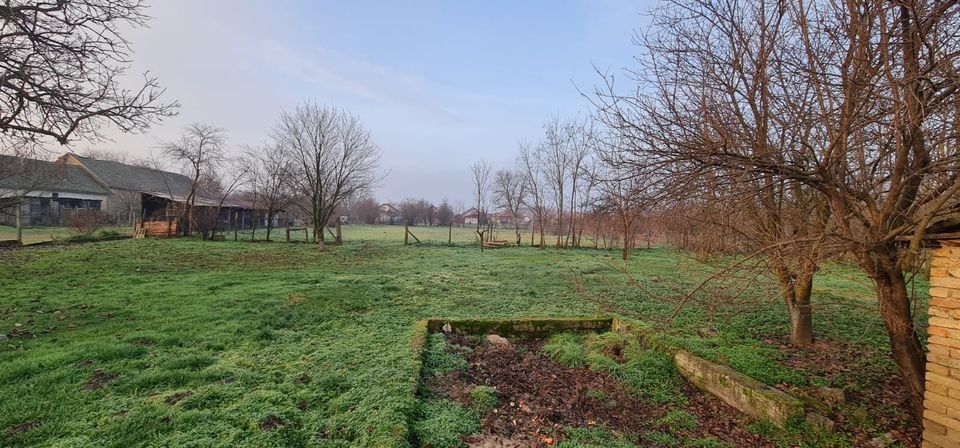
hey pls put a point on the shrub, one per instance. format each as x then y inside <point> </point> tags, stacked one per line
<point>87,222</point>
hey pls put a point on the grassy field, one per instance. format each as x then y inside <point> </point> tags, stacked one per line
<point>191,343</point>
<point>33,235</point>
<point>427,235</point>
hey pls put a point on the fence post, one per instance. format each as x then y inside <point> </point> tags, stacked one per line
<point>406,235</point>
<point>19,226</point>
<point>339,233</point>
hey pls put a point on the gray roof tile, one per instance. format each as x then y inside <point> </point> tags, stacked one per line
<point>136,178</point>
<point>37,175</point>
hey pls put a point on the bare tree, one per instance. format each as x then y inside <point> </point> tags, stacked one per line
<point>509,194</point>
<point>580,136</point>
<point>333,157</point>
<point>481,190</point>
<point>878,102</point>
<point>269,174</point>
<point>445,213</point>
<point>625,196</point>
<point>416,211</point>
<point>200,148</point>
<point>61,69</point>
<point>368,210</point>
<point>554,154</point>
<point>218,185</point>
<point>533,177</point>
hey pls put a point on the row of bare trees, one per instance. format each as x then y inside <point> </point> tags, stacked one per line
<point>315,159</point>
<point>806,130</point>
<point>569,184</point>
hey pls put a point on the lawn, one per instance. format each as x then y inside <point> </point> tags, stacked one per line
<point>33,234</point>
<point>426,234</point>
<point>191,343</point>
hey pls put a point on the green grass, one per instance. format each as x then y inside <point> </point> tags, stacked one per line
<point>318,344</point>
<point>647,372</point>
<point>33,234</point>
<point>483,398</point>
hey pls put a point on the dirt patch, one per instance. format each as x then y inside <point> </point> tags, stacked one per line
<point>98,379</point>
<point>884,401</point>
<point>539,398</point>
<point>23,427</point>
<point>271,422</point>
<point>175,398</point>
<point>303,378</point>
<point>83,363</point>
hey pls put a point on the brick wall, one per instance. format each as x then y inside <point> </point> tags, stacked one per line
<point>941,419</point>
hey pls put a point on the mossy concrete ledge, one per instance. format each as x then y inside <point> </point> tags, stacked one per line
<point>738,390</point>
<point>512,327</point>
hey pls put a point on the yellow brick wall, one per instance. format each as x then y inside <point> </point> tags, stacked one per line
<point>941,419</point>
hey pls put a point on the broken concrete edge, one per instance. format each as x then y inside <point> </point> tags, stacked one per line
<point>521,326</point>
<point>418,344</point>
<point>750,396</point>
<point>740,391</point>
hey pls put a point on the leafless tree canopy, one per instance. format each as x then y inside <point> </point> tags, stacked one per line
<point>509,194</point>
<point>851,106</point>
<point>481,172</point>
<point>269,180</point>
<point>200,149</point>
<point>61,71</point>
<point>332,157</point>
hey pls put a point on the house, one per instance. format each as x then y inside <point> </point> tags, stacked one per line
<point>46,193</point>
<point>143,193</point>
<point>389,215</point>
<point>471,217</point>
<point>503,218</point>
<point>126,183</point>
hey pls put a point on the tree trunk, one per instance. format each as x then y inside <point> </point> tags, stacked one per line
<point>796,294</point>
<point>269,225</point>
<point>897,317</point>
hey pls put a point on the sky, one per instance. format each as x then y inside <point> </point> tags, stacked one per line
<point>439,84</point>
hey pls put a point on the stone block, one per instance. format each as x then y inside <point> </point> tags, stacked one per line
<point>738,390</point>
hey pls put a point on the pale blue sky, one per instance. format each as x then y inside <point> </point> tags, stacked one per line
<point>439,84</point>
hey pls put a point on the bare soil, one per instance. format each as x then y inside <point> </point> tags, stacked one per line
<point>177,397</point>
<point>884,398</point>
<point>98,379</point>
<point>539,398</point>
<point>23,427</point>
<point>271,422</point>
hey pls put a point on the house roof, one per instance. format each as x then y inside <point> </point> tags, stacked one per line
<point>201,201</point>
<point>39,175</point>
<point>122,176</point>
